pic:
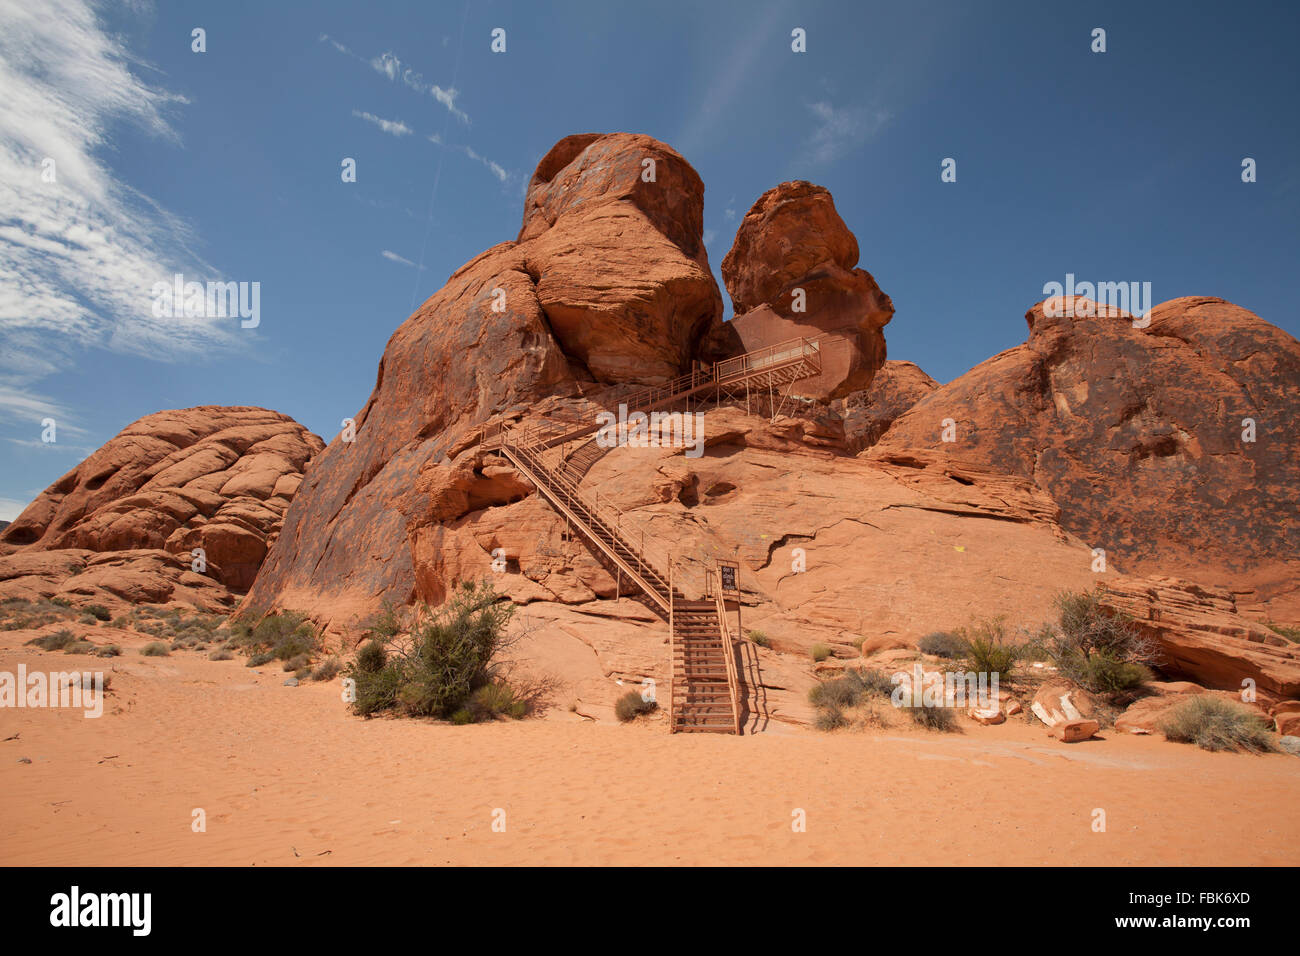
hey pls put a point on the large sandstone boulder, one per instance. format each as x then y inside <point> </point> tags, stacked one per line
<point>612,240</point>
<point>608,283</point>
<point>793,251</point>
<point>1137,433</point>
<point>125,523</point>
<point>868,413</point>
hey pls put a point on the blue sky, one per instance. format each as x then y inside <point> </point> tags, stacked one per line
<point>1122,166</point>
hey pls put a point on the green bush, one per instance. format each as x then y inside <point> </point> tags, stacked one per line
<point>987,649</point>
<point>371,657</point>
<point>631,706</point>
<point>448,656</point>
<point>943,644</point>
<point>1213,723</point>
<point>54,642</point>
<point>100,612</point>
<point>155,649</point>
<point>286,635</point>
<point>1097,649</point>
<point>759,638</point>
<point>819,652</point>
<point>496,700</point>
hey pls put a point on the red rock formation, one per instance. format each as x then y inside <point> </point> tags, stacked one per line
<point>608,282</point>
<point>124,523</point>
<point>1137,433</point>
<point>1203,638</point>
<point>793,239</point>
<point>868,413</point>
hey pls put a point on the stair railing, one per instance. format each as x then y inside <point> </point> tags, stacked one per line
<point>728,646</point>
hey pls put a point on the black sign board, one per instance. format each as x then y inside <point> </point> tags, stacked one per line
<point>728,577</point>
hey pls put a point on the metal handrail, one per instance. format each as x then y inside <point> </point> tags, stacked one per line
<point>729,648</point>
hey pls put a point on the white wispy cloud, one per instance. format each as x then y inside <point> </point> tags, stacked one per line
<point>390,66</point>
<point>496,169</point>
<point>394,257</point>
<point>81,451</point>
<point>80,254</point>
<point>839,130</point>
<point>392,127</point>
<point>393,68</point>
<point>732,75</point>
<point>20,406</point>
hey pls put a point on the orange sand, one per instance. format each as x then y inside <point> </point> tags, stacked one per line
<point>286,777</point>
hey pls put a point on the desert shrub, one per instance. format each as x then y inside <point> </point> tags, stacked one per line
<point>286,635</point>
<point>99,612</point>
<point>462,716</point>
<point>327,669</point>
<point>759,638</point>
<point>631,706</point>
<point>1097,649</point>
<point>155,649</point>
<point>841,692</point>
<point>830,717</point>
<point>88,619</point>
<point>943,644</point>
<point>263,657</point>
<point>497,700</point>
<point>109,650</point>
<point>870,683</point>
<point>1213,723</point>
<point>221,655</point>
<point>987,648</point>
<point>297,663</point>
<point>819,652</point>
<point>80,647</point>
<point>448,655</point>
<point>54,642</point>
<point>934,718</point>
<point>1292,634</point>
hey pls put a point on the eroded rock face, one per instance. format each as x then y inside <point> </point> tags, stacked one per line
<point>1203,638</point>
<point>608,283</point>
<point>868,414</point>
<point>793,250</point>
<point>125,522</point>
<point>1137,433</point>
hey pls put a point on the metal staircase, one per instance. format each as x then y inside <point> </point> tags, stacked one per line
<point>704,691</point>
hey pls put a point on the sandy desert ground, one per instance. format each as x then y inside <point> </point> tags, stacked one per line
<point>287,778</point>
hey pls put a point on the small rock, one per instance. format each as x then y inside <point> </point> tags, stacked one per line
<point>1290,744</point>
<point>29,759</point>
<point>987,716</point>
<point>1072,731</point>
<point>291,682</point>
<point>1288,724</point>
